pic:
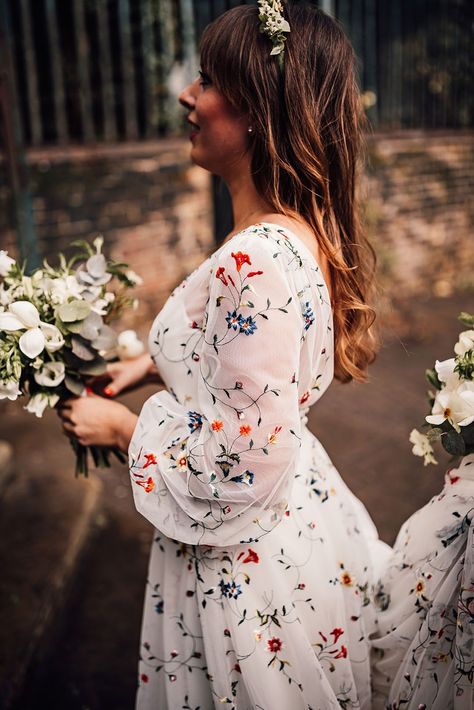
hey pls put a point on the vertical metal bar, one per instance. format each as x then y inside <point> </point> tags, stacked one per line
<point>83,55</point>
<point>128,70</point>
<point>166,61</point>
<point>31,76</point>
<point>149,69</point>
<point>370,57</point>
<point>105,59</point>
<point>13,145</point>
<point>51,28</point>
<point>189,41</point>
<point>328,6</point>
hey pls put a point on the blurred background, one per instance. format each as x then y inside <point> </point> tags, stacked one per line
<point>94,141</point>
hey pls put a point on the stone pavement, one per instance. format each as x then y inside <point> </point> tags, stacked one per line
<point>90,662</point>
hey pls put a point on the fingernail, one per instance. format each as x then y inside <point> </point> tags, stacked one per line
<point>108,391</point>
<point>89,390</point>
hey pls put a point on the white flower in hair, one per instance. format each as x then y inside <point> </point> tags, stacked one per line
<point>273,24</point>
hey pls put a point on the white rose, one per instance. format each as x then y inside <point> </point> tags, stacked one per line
<point>129,345</point>
<point>465,342</point>
<point>51,374</point>
<point>39,402</point>
<point>6,262</point>
<point>9,390</point>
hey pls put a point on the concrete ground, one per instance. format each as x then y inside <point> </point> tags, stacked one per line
<point>365,428</point>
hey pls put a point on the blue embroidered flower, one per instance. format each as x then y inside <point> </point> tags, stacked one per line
<point>245,477</point>
<point>233,320</point>
<point>230,590</point>
<point>247,325</point>
<point>308,315</point>
<point>195,421</point>
<point>159,607</point>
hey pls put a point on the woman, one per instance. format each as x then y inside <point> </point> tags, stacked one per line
<point>261,566</point>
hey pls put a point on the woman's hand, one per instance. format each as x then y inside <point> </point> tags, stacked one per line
<point>95,421</point>
<point>126,375</point>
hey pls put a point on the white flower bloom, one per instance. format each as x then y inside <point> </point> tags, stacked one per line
<point>23,315</point>
<point>100,306</point>
<point>129,345</point>
<point>422,446</point>
<point>9,390</point>
<point>465,342</point>
<point>456,406</point>
<point>39,402</point>
<point>53,338</point>
<point>6,262</point>
<point>446,374</point>
<point>51,374</point>
<point>134,278</point>
<point>65,288</point>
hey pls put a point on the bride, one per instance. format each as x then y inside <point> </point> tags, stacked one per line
<point>262,563</point>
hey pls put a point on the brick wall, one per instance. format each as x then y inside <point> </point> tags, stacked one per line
<point>419,211</point>
<point>155,210</point>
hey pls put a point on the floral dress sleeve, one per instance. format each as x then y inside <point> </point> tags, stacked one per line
<point>220,473</point>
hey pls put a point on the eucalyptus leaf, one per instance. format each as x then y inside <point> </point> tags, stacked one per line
<point>453,443</point>
<point>74,327</point>
<point>98,367</point>
<point>91,326</point>
<point>74,385</point>
<point>74,310</point>
<point>81,348</point>
<point>106,340</point>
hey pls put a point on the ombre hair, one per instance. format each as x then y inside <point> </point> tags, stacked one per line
<point>306,145</point>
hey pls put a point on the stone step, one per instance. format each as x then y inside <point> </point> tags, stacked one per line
<point>47,522</point>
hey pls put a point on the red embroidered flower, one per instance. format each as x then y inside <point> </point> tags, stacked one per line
<point>273,436</point>
<point>301,585</point>
<point>336,633</point>
<point>148,485</point>
<point>251,556</point>
<point>245,429</point>
<point>144,677</point>
<point>240,259</point>
<point>304,398</point>
<point>150,459</point>
<point>237,668</point>
<point>346,579</point>
<point>220,275</point>
<point>275,644</point>
<point>254,273</point>
<point>217,425</point>
<point>342,653</point>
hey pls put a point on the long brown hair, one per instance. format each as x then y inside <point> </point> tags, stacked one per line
<point>306,144</point>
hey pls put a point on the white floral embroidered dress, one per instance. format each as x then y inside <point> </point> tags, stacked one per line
<point>258,586</point>
<point>423,655</point>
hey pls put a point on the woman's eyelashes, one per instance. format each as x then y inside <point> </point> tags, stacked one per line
<point>204,78</point>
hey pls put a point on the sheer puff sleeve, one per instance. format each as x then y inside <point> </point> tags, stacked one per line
<point>220,474</point>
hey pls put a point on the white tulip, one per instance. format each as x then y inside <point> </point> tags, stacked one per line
<point>6,262</point>
<point>51,374</point>
<point>465,342</point>
<point>456,406</point>
<point>422,446</point>
<point>53,337</point>
<point>9,390</point>
<point>446,374</point>
<point>39,402</point>
<point>129,345</point>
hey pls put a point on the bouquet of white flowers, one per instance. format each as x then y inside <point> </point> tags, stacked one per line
<point>452,406</point>
<point>55,333</point>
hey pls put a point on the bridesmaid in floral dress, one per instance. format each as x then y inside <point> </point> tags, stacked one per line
<point>259,587</point>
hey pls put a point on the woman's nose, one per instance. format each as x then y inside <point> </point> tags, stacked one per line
<point>186,97</point>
